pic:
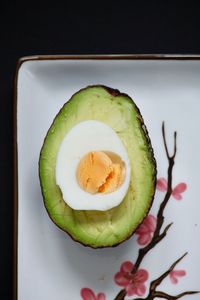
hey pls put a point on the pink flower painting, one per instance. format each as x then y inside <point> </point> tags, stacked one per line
<point>88,294</point>
<point>177,190</point>
<point>173,275</point>
<point>133,283</point>
<point>146,230</point>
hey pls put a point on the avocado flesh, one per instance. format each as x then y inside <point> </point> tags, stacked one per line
<point>97,228</point>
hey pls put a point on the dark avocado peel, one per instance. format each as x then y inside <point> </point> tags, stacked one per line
<point>99,229</point>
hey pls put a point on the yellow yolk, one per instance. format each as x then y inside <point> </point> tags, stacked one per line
<point>97,173</point>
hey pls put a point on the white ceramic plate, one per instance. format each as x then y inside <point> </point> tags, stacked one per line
<point>51,265</point>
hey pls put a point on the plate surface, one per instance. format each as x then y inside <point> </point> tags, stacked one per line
<point>52,266</point>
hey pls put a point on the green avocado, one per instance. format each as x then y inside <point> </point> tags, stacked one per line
<point>101,228</point>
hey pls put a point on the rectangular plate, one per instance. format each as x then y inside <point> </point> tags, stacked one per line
<point>47,263</point>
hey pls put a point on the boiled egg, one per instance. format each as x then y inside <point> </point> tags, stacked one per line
<point>92,167</point>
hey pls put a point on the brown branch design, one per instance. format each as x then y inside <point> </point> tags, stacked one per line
<point>153,293</point>
<point>159,234</point>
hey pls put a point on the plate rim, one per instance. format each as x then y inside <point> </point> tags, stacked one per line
<point>24,59</point>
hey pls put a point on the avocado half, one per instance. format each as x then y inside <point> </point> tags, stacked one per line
<point>101,228</point>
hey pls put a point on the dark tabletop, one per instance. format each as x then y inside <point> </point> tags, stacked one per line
<point>76,28</point>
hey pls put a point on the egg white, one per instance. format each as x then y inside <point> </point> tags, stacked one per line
<point>85,137</point>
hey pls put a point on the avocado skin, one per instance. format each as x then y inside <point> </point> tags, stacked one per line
<point>113,92</point>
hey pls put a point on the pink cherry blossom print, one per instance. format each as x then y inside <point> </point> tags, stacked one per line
<point>133,283</point>
<point>173,275</point>
<point>88,294</point>
<point>177,190</point>
<point>146,230</point>
<point>161,184</point>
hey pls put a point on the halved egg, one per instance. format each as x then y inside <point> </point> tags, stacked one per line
<point>92,167</point>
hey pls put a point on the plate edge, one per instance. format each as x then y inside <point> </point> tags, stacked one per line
<point>110,57</point>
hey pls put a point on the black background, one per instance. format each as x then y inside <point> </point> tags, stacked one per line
<point>76,28</point>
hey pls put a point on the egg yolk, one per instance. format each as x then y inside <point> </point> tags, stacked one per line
<point>100,172</point>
